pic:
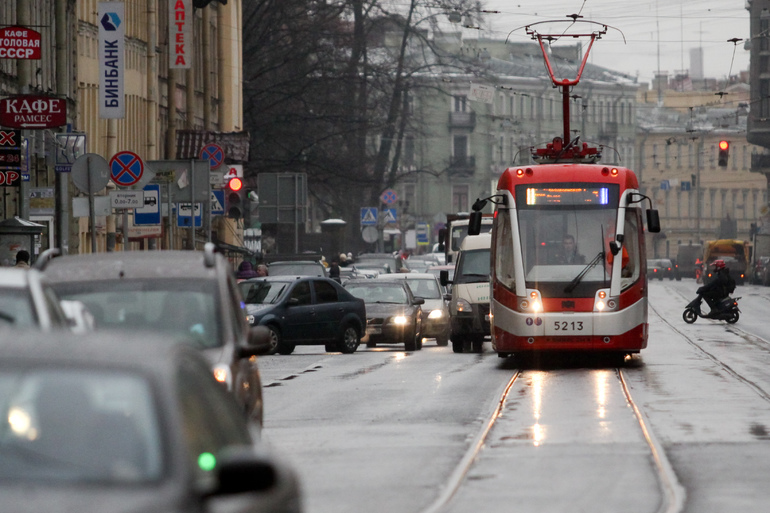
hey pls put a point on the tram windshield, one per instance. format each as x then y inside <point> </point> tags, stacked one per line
<point>563,229</point>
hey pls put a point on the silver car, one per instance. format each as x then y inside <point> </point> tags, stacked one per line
<point>435,310</point>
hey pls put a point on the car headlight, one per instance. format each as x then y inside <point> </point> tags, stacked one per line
<point>223,375</point>
<point>250,319</point>
<point>399,319</point>
<point>435,314</point>
<point>463,306</point>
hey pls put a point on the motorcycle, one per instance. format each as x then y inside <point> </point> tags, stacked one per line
<point>727,310</point>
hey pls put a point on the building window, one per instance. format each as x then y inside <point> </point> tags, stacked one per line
<point>460,103</point>
<point>460,149</point>
<point>460,198</point>
<point>409,150</point>
<point>764,92</point>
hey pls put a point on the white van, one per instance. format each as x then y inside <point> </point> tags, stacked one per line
<point>469,297</point>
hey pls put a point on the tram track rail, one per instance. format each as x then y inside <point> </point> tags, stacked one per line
<point>672,492</point>
<point>758,342</point>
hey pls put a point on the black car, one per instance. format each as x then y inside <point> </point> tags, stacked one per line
<point>393,313</point>
<point>305,311</point>
<point>661,268</point>
<point>107,421</point>
<point>190,294</point>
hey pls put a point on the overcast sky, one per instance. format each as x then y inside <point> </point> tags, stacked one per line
<point>669,28</point>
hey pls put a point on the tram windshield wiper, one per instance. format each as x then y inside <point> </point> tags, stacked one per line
<point>576,280</point>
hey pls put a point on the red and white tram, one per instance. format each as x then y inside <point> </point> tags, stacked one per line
<point>568,265</point>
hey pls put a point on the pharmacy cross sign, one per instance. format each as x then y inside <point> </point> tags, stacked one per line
<point>126,168</point>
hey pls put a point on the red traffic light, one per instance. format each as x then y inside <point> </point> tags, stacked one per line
<point>235,184</point>
<point>723,145</point>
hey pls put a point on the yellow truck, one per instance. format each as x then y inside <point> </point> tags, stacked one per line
<point>734,252</point>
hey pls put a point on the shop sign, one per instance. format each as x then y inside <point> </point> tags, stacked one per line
<point>33,112</point>
<point>19,43</point>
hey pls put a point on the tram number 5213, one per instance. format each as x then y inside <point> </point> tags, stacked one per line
<point>568,326</point>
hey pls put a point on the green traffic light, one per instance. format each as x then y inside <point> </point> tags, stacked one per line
<point>207,461</point>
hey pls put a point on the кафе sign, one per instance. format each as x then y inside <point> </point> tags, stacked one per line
<point>33,112</point>
<point>19,43</point>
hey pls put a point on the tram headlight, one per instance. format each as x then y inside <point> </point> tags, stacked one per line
<point>600,305</point>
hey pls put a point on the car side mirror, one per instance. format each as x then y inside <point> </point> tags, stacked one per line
<point>241,470</point>
<point>292,301</point>
<point>419,301</point>
<point>447,297</point>
<point>258,342</point>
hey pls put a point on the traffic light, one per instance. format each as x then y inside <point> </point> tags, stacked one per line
<point>724,152</point>
<point>234,203</point>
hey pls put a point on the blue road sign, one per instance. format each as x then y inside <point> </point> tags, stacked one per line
<point>422,230</point>
<point>389,216</point>
<point>150,212</point>
<point>368,216</point>
<point>389,197</point>
<point>214,154</point>
<point>126,168</point>
<point>217,203</point>
<point>686,186</point>
<point>184,215</point>
<point>665,185</point>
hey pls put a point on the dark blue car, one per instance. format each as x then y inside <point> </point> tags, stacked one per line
<point>305,310</point>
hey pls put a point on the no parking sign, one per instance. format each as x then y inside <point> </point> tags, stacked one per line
<point>126,168</point>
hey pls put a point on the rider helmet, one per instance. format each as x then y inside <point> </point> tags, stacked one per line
<point>719,264</point>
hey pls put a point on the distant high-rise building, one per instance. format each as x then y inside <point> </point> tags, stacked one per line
<point>696,63</point>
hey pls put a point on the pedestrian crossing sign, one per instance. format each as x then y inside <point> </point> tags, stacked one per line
<point>368,216</point>
<point>389,216</point>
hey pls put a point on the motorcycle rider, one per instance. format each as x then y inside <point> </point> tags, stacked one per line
<point>718,288</point>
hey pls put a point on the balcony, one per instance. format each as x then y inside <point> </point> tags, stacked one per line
<point>462,120</point>
<point>461,166</point>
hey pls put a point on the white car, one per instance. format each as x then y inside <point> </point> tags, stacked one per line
<point>27,301</point>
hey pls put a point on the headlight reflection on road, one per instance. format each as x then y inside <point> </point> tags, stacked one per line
<point>538,431</point>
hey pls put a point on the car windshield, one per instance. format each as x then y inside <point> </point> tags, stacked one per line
<point>16,308</point>
<point>78,425</point>
<point>385,293</point>
<point>179,306</point>
<point>262,292</point>
<point>424,288</point>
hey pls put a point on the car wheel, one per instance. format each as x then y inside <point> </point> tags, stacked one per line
<point>349,341</point>
<point>410,343</point>
<point>275,338</point>
<point>371,344</point>
<point>282,347</point>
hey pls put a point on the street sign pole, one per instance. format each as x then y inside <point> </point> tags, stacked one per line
<point>192,204</point>
<point>91,213</point>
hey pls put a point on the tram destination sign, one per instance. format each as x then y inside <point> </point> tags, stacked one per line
<point>19,43</point>
<point>33,112</point>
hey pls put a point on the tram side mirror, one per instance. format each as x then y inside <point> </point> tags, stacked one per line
<point>653,221</point>
<point>442,239</point>
<point>614,247</point>
<point>474,223</point>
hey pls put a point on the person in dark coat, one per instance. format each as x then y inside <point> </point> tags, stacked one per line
<point>334,270</point>
<point>720,287</point>
<point>246,271</point>
<point>22,259</point>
